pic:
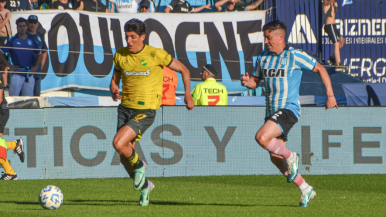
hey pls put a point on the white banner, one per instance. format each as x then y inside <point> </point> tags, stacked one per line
<point>82,44</point>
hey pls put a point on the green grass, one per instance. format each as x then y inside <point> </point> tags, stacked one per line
<point>338,195</point>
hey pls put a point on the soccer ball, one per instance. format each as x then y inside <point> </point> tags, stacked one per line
<point>51,197</point>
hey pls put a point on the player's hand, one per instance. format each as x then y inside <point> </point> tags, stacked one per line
<point>245,79</point>
<point>115,94</point>
<point>189,101</point>
<point>208,6</point>
<point>331,102</point>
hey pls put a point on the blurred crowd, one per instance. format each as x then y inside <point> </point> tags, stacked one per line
<point>130,6</point>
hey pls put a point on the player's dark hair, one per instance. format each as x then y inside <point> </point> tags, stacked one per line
<point>135,25</point>
<point>275,25</point>
<point>20,20</point>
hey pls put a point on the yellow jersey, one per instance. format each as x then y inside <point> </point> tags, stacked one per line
<point>210,93</point>
<point>142,76</point>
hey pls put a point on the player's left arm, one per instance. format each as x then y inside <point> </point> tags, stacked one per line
<point>176,65</point>
<point>323,74</point>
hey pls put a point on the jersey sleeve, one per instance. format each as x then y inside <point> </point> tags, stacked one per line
<point>304,61</point>
<point>163,57</point>
<point>196,94</point>
<point>257,71</point>
<point>117,67</point>
<point>172,4</point>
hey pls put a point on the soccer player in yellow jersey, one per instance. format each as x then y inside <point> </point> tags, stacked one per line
<point>209,92</point>
<point>141,68</point>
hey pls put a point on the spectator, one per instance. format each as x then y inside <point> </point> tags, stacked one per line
<point>170,82</point>
<point>34,4</point>
<point>20,5</point>
<point>94,6</point>
<point>231,6</point>
<point>182,6</point>
<point>65,4</point>
<point>5,33</point>
<point>44,4</point>
<point>126,6</point>
<point>329,9</point>
<point>209,92</point>
<point>22,60</point>
<point>147,6</point>
<point>39,39</point>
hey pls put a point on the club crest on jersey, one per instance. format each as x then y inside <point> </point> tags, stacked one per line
<point>29,42</point>
<point>272,73</point>
<point>283,61</point>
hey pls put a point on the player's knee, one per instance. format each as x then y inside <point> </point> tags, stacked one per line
<point>118,145</point>
<point>262,139</point>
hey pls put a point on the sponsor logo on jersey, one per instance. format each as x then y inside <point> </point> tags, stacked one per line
<point>143,62</point>
<point>272,73</point>
<point>134,73</point>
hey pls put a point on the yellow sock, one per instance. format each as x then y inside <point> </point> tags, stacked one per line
<point>11,145</point>
<point>134,158</point>
<point>7,167</point>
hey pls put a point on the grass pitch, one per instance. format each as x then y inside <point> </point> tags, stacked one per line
<point>337,195</point>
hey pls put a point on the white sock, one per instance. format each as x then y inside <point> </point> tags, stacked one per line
<point>291,157</point>
<point>305,188</point>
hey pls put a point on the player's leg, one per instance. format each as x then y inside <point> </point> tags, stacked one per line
<point>17,145</point>
<point>9,173</point>
<point>140,123</point>
<point>307,191</point>
<point>277,125</point>
<point>146,188</point>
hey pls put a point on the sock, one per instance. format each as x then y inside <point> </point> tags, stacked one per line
<point>146,184</point>
<point>11,145</point>
<point>276,147</point>
<point>7,167</point>
<point>134,158</point>
<point>298,181</point>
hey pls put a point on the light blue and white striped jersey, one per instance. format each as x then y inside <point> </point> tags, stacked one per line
<point>282,74</point>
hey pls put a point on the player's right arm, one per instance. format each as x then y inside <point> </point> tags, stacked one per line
<point>114,85</point>
<point>250,81</point>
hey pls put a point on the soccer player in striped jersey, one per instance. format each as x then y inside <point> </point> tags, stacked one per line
<point>281,67</point>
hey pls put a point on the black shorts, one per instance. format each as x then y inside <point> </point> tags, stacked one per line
<point>332,32</point>
<point>285,119</point>
<point>136,119</point>
<point>4,116</point>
